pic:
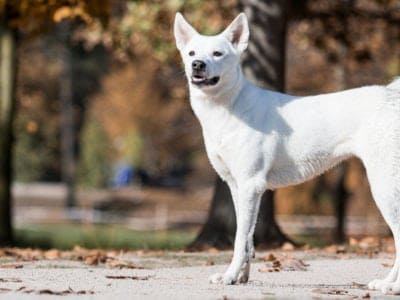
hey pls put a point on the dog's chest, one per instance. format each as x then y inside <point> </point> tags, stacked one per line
<point>222,143</point>
<point>219,155</point>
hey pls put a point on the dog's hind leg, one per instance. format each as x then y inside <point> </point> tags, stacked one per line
<point>392,281</point>
<point>386,192</point>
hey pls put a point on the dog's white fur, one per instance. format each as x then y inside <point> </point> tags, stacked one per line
<point>258,139</point>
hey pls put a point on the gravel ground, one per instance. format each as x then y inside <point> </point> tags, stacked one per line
<point>185,276</point>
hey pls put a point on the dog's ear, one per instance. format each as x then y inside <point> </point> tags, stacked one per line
<point>183,31</point>
<point>238,32</point>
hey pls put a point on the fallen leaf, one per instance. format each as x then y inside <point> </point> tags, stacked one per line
<point>366,296</point>
<point>285,263</point>
<point>83,292</point>
<point>26,254</point>
<point>359,285</point>
<point>24,290</point>
<point>90,257</point>
<point>269,257</point>
<point>330,291</point>
<point>127,277</point>
<point>213,250</point>
<point>387,265</point>
<point>52,254</point>
<point>268,269</point>
<point>337,249</point>
<point>267,293</point>
<point>123,264</point>
<point>4,290</point>
<point>294,264</point>
<point>91,260</point>
<point>70,291</point>
<point>353,241</point>
<point>50,292</point>
<point>10,280</point>
<point>368,242</point>
<point>11,266</point>
<point>209,263</point>
<point>287,246</point>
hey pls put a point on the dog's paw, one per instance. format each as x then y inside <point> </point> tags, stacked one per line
<point>375,284</point>
<point>216,278</point>
<point>243,277</point>
<point>219,278</point>
<point>385,286</point>
<point>228,279</point>
<point>378,284</point>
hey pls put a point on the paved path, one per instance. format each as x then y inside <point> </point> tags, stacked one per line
<point>323,276</point>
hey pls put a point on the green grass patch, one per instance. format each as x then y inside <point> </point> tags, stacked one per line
<point>313,240</point>
<point>66,236</point>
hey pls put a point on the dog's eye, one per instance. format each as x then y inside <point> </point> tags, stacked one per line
<point>217,54</point>
<point>191,53</point>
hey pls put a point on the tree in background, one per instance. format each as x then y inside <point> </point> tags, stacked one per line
<point>264,65</point>
<point>30,17</point>
<point>8,40</point>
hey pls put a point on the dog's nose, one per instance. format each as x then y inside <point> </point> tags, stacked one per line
<point>198,65</point>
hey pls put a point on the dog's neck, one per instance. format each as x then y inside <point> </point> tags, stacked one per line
<point>215,96</point>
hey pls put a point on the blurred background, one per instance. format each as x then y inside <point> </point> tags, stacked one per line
<point>98,143</point>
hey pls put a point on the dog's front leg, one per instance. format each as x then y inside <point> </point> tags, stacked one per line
<point>247,203</point>
<point>243,276</point>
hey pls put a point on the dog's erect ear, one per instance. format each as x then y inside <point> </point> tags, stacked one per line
<point>238,32</point>
<point>183,31</point>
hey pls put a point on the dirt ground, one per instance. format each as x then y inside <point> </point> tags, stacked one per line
<point>330,273</point>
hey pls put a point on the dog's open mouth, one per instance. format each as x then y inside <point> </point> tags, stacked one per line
<point>202,80</point>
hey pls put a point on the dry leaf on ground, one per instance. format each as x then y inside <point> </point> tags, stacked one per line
<point>11,266</point>
<point>359,285</point>
<point>122,264</point>
<point>70,291</point>
<point>284,263</point>
<point>10,280</point>
<point>287,246</point>
<point>127,277</point>
<point>337,249</point>
<point>52,254</point>
<point>330,291</point>
<point>269,257</point>
<point>366,296</point>
<point>213,250</point>
<point>209,263</point>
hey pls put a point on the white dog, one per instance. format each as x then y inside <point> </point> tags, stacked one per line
<point>258,139</point>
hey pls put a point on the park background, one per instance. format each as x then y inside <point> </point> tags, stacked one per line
<point>99,146</point>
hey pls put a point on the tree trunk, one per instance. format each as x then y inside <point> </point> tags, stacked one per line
<point>7,111</point>
<point>341,196</point>
<point>263,64</point>
<point>67,119</point>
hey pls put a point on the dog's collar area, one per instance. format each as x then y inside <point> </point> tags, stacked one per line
<point>200,80</point>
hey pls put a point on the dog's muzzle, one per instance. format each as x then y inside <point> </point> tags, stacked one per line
<point>199,76</point>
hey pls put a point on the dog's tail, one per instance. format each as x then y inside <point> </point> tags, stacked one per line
<point>395,84</point>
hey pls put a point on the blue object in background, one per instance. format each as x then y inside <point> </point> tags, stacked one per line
<point>123,176</point>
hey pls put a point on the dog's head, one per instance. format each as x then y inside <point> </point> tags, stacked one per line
<point>211,60</point>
